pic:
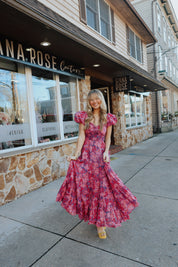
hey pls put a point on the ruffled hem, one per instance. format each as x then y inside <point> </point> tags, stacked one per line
<point>109,205</point>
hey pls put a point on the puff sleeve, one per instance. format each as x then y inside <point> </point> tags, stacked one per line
<point>80,117</point>
<point>111,119</point>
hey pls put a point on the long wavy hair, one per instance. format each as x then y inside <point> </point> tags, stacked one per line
<point>103,109</point>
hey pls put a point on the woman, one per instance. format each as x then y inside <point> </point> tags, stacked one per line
<point>91,188</point>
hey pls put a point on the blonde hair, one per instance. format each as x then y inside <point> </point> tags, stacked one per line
<point>103,109</point>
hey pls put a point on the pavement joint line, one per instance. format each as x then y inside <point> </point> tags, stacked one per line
<point>150,195</point>
<point>109,252</point>
<point>157,155</point>
<point>36,227</point>
<point>65,236</point>
<point>45,252</point>
<point>62,237</point>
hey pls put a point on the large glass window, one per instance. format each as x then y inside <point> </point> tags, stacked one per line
<point>135,46</point>
<point>166,64</point>
<point>14,115</point>
<point>46,108</point>
<point>36,106</point>
<point>92,14</point>
<point>160,58</point>
<point>158,19</point>
<point>98,17</point>
<point>68,89</point>
<point>164,30</point>
<point>135,109</point>
<point>105,20</point>
<point>132,44</point>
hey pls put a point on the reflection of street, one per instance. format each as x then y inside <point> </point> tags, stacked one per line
<point>13,103</point>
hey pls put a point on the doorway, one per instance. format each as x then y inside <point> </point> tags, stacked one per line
<point>105,92</point>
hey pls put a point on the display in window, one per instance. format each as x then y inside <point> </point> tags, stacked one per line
<point>46,108</point>
<point>135,109</point>
<point>14,115</point>
<point>68,89</point>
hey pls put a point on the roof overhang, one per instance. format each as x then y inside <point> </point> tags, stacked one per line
<point>130,15</point>
<point>169,83</point>
<point>31,22</point>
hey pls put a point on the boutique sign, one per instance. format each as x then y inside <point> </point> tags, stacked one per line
<point>34,57</point>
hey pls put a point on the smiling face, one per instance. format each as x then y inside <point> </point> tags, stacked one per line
<point>95,101</point>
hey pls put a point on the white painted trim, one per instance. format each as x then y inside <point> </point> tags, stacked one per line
<point>32,117</point>
<point>78,95</point>
<point>59,107</point>
<point>28,149</point>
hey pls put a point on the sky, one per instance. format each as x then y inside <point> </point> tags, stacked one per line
<point>175,6</point>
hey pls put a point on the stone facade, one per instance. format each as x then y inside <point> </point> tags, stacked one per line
<point>129,137</point>
<point>84,88</point>
<point>28,171</point>
<point>25,172</point>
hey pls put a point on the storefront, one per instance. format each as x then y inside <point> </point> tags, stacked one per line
<point>41,88</point>
<point>38,97</point>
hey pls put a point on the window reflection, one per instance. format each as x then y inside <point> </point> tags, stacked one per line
<point>68,89</point>
<point>14,116</point>
<point>135,109</point>
<point>45,100</point>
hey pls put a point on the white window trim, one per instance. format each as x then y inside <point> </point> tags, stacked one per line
<point>59,107</point>
<point>135,46</point>
<point>35,146</point>
<point>31,107</point>
<point>99,23</point>
<point>142,124</point>
<point>158,11</point>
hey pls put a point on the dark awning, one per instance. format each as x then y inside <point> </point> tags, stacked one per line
<point>32,22</point>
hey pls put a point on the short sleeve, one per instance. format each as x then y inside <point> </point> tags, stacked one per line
<point>111,119</point>
<point>80,117</point>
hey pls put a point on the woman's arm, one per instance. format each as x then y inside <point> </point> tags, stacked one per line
<point>80,143</point>
<point>107,144</point>
<point>80,140</point>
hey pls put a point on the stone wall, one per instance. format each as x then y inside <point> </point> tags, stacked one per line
<point>129,137</point>
<point>25,172</point>
<point>84,88</point>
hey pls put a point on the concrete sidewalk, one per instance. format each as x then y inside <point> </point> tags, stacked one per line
<point>36,231</point>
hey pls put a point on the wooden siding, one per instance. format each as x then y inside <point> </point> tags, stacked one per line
<point>143,7</point>
<point>70,11</point>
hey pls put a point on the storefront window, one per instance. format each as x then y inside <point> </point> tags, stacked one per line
<point>132,110</point>
<point>127,110</point>
<point>135,109</point>
<point>14,113</point>
<point>36,106</point>
<point>45,102</point>
<point>68,89</point>
<point>138,109</point>
<point>144,110</point>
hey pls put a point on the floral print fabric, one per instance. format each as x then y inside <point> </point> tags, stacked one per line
<point>91,189</point>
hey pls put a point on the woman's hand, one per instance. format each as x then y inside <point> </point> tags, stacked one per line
<point>69,158</point>
<point>106,156</point>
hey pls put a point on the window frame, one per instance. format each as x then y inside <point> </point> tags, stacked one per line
<point>142,96</point>
<point>134,46</point>
<point>32,117</point>
<point>164,30</point>
<point>158,18</point>
<point>110,23</point>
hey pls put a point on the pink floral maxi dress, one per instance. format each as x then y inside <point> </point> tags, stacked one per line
<point>91,189</point>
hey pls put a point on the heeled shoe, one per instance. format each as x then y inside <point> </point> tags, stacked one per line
<point>102,233</point>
